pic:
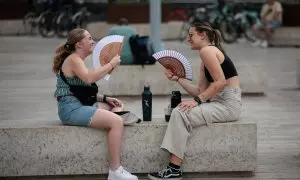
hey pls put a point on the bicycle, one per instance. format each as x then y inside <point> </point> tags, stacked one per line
<point>32,18</point>
<point>68,20</point>
<point>239,23</point>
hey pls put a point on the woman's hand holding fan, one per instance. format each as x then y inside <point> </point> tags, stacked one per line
<point>106,50</point>
<point>175,63</point>
<point>115,62</point>
<point>170,75</point>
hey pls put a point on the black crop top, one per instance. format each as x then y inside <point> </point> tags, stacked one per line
<point>228,68</point>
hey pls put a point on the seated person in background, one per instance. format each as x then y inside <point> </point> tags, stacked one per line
<point>123,29</point>
<point>271,19</point>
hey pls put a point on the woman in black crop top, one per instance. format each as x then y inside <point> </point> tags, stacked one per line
<point>216,98</point>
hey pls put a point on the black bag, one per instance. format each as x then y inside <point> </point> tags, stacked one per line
<point>87,95</point>
<point>139,49</point>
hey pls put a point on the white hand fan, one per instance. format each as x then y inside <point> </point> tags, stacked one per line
<point>175,62</point>
<point>105,50</point>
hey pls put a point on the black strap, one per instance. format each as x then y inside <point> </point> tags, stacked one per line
<point>63,77</point>
<point>62,74</point>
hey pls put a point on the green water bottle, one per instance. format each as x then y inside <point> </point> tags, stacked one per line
<point>147,103</point>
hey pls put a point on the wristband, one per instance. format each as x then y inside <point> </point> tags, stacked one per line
<point>111,65</point>
<point>198,100</point>
<point>104,98</point>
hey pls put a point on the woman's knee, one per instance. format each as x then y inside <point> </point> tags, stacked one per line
<point>176,111</point>
<point>117,122</point>
<point>106,119</point>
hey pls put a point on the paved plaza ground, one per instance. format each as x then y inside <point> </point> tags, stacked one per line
<point>27,85</point>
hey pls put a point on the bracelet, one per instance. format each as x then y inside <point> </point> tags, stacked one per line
<point>111,65</point>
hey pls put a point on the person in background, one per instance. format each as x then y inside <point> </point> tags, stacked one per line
<point>127,31</point>
<point>271,19</point>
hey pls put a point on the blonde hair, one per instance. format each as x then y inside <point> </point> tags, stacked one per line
<point>64,50</point>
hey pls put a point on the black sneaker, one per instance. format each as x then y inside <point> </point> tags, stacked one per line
<point>167,173</point>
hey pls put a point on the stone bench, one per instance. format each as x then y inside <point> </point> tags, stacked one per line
<point>252,75</point>
<point>286,36</point>
<point>69,150</point>
<point>100,29</point>
<point>11,27</point>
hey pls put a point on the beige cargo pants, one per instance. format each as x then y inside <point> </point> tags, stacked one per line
<point>225,107</point>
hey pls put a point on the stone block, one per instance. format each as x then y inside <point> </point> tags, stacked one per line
<point>11,27</point>
<point>252,75</point>
<point>286,36</point>
<point>70,150</point>
<point>100,29</point>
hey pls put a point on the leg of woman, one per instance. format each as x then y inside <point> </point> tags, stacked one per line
<point>114,123</point>
<point>178,131</point>
<point>106,119</point>
<point>128,118</point>
<point>109,108</point>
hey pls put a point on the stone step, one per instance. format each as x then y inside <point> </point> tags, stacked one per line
<point>69,150</point>
<point>253,79</point>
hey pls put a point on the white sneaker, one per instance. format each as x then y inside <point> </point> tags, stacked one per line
<point>121,174</point>
<point>264,44</point>
<point>256,43</point>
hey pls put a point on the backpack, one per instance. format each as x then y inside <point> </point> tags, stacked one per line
<point>140,50</point>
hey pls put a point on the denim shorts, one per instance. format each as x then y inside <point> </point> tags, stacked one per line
<point>72,112</point>
<point>271,24</point>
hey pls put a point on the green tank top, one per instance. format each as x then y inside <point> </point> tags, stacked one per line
<point>62,89</point>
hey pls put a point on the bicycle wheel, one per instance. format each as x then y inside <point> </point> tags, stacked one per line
<point>63,25</point>
<point>249,34</point>
<point>29,23</point>
<point>228,31</point>
<point>247,28</point>
<point>185,29</point>
<point>46,25</point>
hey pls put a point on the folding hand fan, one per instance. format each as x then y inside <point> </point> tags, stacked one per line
<point>105,50</point>
<point>175,62</point>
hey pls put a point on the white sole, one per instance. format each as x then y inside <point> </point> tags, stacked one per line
<point>154,178</point>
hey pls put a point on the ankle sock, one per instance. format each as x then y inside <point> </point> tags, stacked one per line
<point>174,166</point>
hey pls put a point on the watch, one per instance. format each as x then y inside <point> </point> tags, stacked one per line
<point>198,100</point>
<point>104,98</point>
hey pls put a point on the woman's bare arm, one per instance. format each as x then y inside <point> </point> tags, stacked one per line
<point>86,75</point>
<point>211,62</point>
<point>187,85</point>
<point>203,83</point>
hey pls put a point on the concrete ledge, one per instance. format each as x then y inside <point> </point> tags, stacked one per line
<point>286,36</point>
<point>68,150</point>
<point>97,29</point>
<point>100,29</point>
<point>298,73</point>
<point>252,76</point>
<point>11,27</point>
